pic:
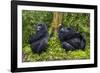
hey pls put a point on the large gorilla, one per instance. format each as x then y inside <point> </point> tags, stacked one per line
<point>39,41</point>
<point>70,39</point>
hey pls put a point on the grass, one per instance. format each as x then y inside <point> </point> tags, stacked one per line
<point>55,52</point>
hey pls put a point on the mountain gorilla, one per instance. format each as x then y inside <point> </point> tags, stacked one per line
<point>71,39</point>
<point>39,41</point>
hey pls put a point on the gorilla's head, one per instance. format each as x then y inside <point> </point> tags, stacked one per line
<point>41,27</point>
<point>66,31</point>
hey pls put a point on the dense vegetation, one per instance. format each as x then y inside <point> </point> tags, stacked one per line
<point>79,22</point>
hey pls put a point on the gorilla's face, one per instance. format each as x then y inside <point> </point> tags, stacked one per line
<point>66,31</point>
<point>62,31</point>
<point>39,27</point>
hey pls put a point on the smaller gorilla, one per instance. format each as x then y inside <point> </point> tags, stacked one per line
<point>71,39</point>
<point>39,41</point>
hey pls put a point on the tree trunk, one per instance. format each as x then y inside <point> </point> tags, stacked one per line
<point>57,19</point>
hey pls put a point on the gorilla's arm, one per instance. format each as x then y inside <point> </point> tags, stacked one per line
<point>67,46</point>
<point>40,45</point>
<point>37,36</point>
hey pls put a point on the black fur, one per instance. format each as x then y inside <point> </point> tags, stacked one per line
<point>70,39</point>
<point>39,41</point>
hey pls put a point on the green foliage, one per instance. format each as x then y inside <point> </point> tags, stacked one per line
<point>78,21</point>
